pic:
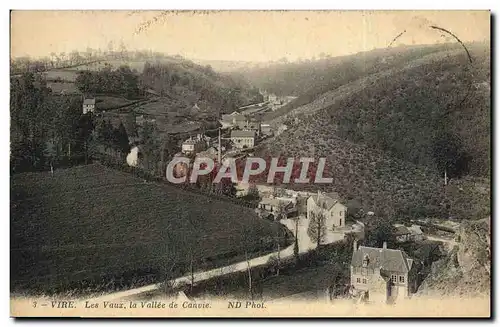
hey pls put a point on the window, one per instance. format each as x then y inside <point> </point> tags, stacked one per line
<point>401,279</point>
<point>364,280</point>
<point>394,278</point>
<point>358,280</point>
<point>340,213</point>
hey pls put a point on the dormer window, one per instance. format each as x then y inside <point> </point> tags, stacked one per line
<point>366,260</point>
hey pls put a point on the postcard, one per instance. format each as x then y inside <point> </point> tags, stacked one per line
<point>250,163</point>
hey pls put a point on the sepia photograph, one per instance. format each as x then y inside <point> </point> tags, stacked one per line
<point>250,163</point>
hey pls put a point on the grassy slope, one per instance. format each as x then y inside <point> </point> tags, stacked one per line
<point>350,126</point>
<point>89,221</point>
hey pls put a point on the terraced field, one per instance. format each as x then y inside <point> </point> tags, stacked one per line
<point>99,229</point>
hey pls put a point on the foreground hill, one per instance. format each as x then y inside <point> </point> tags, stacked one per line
<point>90,228</point>
<point>466,270</point>
<point>389,136</point>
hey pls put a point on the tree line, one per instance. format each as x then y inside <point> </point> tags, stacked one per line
<point>49,131</point>
<point>122,81</point>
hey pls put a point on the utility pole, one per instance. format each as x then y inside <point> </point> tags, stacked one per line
<point>219,150</point>
<point>445,178</point>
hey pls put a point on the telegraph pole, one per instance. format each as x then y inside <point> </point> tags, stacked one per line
<point>219,150</point>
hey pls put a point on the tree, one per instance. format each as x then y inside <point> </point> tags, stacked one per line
<point>121,139</point>
<point>379,231</point>
<point>317,227</point>
<point>296,244</point>
<point>449,155</point>
<point>281,212</point>
<point>50,153</point>
<point>252,194</point>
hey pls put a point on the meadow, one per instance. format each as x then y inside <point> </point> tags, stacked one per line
<point>93,229</point>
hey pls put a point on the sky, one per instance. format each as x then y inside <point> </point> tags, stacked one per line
<point>257,36</point>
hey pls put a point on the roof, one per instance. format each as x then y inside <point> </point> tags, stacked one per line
<point>415,229</point>
<point>274,202</point>
<point>401,230</point>
<point>192,141</point>
<point>242,134</point>
<point>234,116</point>
<point>386,259</point>
<point>89,101</point>
<point>327,200</point>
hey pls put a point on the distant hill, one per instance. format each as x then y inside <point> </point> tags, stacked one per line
<point>229,66</point>
<point>179,80</point>
<point>390,131</point>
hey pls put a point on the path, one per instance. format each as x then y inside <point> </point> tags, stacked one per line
<point>305,245</point>
<point>449,243</point>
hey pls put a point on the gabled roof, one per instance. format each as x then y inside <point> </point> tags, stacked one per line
<point>89,101</point>
<point>242,134</point>
<point>325,200</point>
<point>385,259</point>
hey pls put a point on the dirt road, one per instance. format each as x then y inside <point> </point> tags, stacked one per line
<point>305,244</point>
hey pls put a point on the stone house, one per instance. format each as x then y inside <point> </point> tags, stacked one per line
<point>382,275</point>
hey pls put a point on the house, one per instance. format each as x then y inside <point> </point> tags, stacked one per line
<point>194,145</point>
<point>276,206</point>
<point>142,119</point>
<point>402,233</point>
<point>88,105</point>
<point>329,205</point>
<point>233,119</point>
<point>266,129</point>
<point>382,274</point>
<point>249,125</point>
<point>243,139</point>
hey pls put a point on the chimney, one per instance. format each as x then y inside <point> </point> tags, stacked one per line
<point>355,245</point>
<point>384,246</point>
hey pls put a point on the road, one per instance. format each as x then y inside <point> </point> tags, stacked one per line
<point>449,243</point>
<point>305,244</point>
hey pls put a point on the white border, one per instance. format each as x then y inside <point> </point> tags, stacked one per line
<point>187,4</point>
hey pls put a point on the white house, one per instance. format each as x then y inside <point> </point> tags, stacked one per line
<point>88,105</point>
<point>329,205</point>
<point>194,145</point>
<point>243,139</point>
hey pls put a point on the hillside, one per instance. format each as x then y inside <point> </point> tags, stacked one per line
<point>90,228</point>
<point>308,79</point>
<point>388,136</point>
<point>467,269</point>
<point>178,80</point>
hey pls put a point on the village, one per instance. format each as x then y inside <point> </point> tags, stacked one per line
<point>376,274</point>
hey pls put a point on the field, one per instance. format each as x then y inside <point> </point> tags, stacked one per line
<point>63,88</point>
<point>95,228</point>
<point>62,74</point>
